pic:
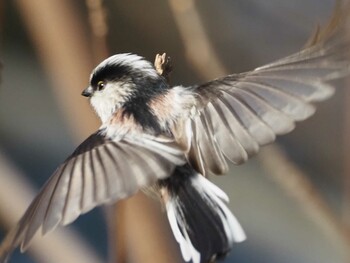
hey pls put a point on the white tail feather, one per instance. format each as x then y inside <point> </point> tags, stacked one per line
<point>212,217</point>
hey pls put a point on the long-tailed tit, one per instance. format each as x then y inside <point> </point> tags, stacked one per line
<point>172,138</point>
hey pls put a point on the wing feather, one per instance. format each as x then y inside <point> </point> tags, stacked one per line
<point>256,127</point>
<point>208,147</point>
<point>290,105</point>
<point>88,189</point>
<point>234,140</point>
<point>275,119</point>
<point>35,215</point>
<point>116,189</point>
<point>98,172</point>
<point>305,89</point>
<point>74,195</point>
<point>236,114</point>
<point>57,198</point>
<point>194,154</point>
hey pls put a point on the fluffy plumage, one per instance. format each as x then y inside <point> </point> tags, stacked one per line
<point>153,134</point>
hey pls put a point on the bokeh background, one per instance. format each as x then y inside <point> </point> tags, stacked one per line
<point>292,200</point>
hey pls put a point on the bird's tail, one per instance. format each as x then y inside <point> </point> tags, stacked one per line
<point>199,217</point>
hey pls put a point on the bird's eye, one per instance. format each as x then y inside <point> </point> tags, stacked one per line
<point>100,85</point>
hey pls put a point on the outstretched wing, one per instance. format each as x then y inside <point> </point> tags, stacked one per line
<point>239,113</point>
<point>99,171</point>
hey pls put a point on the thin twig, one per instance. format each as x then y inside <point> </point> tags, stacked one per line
<point>163,65</point>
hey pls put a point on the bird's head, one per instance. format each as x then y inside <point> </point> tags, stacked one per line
<point>123,81</point>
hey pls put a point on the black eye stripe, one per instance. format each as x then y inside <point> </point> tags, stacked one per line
<point>109,73</point>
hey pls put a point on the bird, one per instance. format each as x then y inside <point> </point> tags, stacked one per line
<point>172,138</point>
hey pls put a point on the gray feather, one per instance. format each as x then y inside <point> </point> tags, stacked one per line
<point>248,110</point>
<point>98,172</point>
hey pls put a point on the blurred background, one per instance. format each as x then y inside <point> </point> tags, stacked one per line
<point>292,200</point>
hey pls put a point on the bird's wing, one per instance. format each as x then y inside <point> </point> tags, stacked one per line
<point>99,171</point>
<point>237,114</point>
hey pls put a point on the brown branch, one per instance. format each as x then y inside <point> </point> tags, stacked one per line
<point>146,234</point>
<point>199,52</point>
<point>57,32</point>
<point>297,185</point>
<point>99,27</point>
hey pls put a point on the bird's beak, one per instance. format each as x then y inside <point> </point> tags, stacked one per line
<point>87,92</point>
